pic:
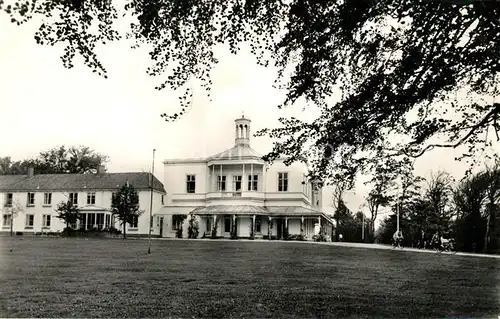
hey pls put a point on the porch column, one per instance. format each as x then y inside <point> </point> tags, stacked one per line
<point>214,180</point>
<point>253,226</point>
<point>214,232</point>
<point>95,220</point>
<point>302,225</point>
<point>235,232</point>
<point>286,228</point>
<point>269,227</point>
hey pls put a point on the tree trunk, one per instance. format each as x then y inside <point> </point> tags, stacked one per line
<point>487,233</point>
<point>124,230</point>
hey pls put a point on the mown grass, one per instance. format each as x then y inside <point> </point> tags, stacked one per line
<point>46,277</point>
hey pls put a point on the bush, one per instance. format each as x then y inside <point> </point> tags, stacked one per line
<point>114,231</point>
<point>214,229</point>
<point>19,233</point>
<point>321,237</point>
<point>194,227</point>
<point>298,237</point>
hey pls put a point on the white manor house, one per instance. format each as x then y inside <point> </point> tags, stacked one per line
<point>235,194</point>
<point>39,195</point>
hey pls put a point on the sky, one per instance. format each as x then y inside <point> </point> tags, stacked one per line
<point>44,105</point>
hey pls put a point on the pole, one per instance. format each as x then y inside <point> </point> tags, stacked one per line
<point>151,201</point>
<point>363,228</point>
<point>397,212</point>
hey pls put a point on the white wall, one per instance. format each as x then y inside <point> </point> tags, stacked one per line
<point>175,178</point>
<point>103,199</point>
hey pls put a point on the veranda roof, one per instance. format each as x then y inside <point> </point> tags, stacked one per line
<point>230,209</point>
<point>258,210</point>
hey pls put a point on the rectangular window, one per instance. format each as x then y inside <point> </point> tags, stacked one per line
<point>73,198</point>
<point>30,221</point>
<point>47,199</point>
<point>253,182</point>
<point>237,183</point>
<point>221,183</point>
<point>108,221</point>
<point>227,225</point>
<point>191,183</point>
<point>9,200</point>
<point>135,222</point>
<point>163,199</point>
<point>30,199</point>
<point>46,221</point>
<point>282,182</point>
<point>258,222</point>
<point>91,198</point>
<point>6,220</point>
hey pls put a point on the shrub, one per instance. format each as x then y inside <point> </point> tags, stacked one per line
<point>194,227</point>
<point>214,229</point>
<point>321,237</point>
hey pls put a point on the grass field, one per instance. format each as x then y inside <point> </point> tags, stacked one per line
<point>57,277</point>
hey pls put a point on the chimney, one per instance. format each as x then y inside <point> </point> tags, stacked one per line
<point>101,169</point>
<point>31,172</point>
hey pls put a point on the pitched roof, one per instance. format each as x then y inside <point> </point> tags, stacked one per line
<point>237,152</point>
<point>64,182</point>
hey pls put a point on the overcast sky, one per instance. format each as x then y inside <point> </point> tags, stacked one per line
<point>44,105</point>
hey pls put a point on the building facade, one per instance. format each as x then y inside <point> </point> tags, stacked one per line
<point>237,194</point>
<point>39,195</point>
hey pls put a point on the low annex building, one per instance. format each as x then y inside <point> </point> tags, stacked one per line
<point>39,195</point>
<point>237,194</point>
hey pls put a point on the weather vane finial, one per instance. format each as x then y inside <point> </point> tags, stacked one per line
<point>242,114</point>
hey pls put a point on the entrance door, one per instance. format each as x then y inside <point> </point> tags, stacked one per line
<point>161,226</point>
<point>227,226</point>
<point>279,228</point>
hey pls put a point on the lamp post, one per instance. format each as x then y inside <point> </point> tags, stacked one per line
<point>397,211</point>
<point>151,202</point>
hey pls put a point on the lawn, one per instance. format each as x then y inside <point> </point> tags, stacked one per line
<point>55,277</point>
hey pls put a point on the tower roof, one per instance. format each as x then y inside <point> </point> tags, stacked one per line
<point>237,152</point>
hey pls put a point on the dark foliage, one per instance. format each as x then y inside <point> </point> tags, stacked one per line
<point>58,160</point>
<point>193,227</point>
<point>397,64</point>
<point>68,212</point>
<point>125,206</point>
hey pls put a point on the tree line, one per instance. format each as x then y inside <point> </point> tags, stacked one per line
<point>57,160</point>
<point>466,211</point>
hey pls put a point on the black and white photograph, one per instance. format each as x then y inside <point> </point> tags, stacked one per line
<point>250,159</point>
